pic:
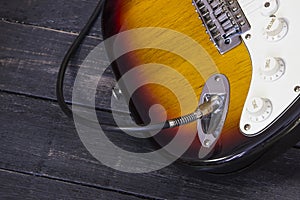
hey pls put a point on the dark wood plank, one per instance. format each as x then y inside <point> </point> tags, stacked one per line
<point>28,144</point>
<point>16,185</point>
<point>30,58</point>
<point>37,138</point>
<point>56,14</point>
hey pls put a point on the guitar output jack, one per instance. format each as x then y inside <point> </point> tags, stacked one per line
<point>210,127</point>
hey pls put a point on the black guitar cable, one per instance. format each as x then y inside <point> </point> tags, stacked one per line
<point>202,110</point>
<point>72,50</point>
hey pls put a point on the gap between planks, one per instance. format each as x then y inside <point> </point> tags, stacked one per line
<point>45,176</point>
<point>46,28</point>
<point>55,101</point>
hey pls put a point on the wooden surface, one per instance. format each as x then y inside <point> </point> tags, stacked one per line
<point>41,155</point>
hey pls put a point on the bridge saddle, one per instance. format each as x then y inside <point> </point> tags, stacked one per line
<point>224,21</point>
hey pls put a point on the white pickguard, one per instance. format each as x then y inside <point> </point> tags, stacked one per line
<point>280,93</point>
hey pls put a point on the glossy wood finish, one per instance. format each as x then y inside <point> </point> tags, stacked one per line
<point>178,16</point>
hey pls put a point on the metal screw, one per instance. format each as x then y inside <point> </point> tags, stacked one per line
<point>267,4</point>
<point>248,36</point>
<point>227,41</point>
<point>217,78</point>
<point>117,93</point>
<point>207,143</point>
<point>297,89</point>
<point>247,127</point>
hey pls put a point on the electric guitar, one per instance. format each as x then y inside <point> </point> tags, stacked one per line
<point>179,53</point>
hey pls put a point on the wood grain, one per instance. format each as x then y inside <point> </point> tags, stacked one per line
<point>51,148</point>
<point>31,69</point>
<point>41,155</point>
<point>26,186</point>
<point>57,15</point>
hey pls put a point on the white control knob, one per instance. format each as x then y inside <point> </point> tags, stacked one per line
<point>276,29</point>
<point>259,109</point>
<point>272,69</point>
<point>269,7</point>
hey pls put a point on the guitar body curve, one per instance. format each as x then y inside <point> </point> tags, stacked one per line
<point>233,150</point>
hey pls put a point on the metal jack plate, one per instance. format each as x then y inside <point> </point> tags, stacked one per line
<point>210,127</point>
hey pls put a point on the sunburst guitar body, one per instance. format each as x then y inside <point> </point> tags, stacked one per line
<point>167,55</point>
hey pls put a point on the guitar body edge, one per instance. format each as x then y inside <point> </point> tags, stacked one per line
<point>233,150</point>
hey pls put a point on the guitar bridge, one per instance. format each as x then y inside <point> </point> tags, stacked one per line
<point>224,21</point>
